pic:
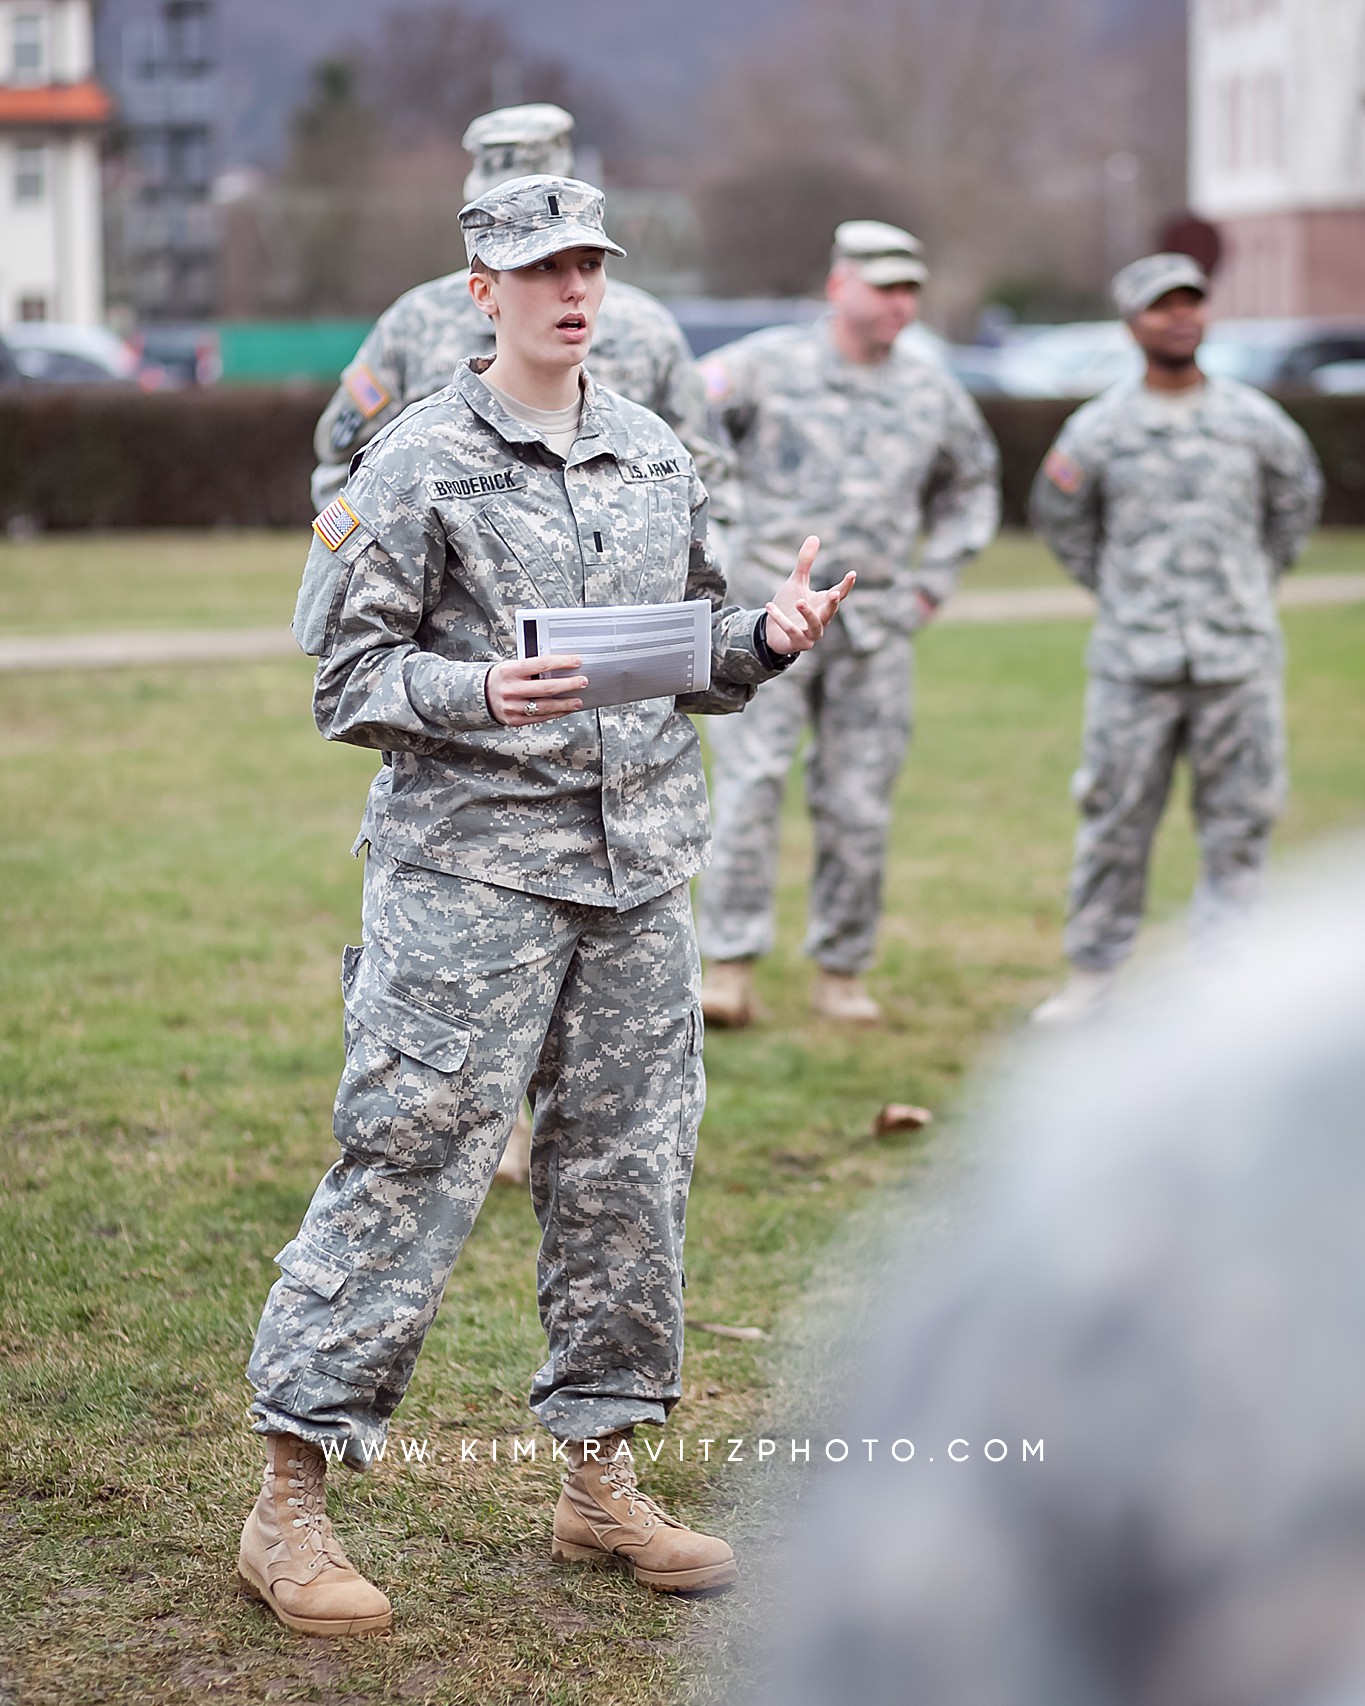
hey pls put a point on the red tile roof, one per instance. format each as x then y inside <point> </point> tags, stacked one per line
<point>55,104</point>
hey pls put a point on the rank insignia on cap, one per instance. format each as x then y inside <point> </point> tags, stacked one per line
<point>336,524</point>
<point>367,393</point>
<point>1066,475</point>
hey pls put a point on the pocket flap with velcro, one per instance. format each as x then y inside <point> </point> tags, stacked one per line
<point>401,1019</point>
<point>318,1269</point>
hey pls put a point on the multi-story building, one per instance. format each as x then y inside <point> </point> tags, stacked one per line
<point>51,113</point>
<point>1277,150</point>
<point>163,225</point>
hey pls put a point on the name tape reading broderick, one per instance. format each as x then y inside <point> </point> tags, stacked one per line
<point>479,485</point>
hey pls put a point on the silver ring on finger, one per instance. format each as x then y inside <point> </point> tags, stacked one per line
<point>531,708</point>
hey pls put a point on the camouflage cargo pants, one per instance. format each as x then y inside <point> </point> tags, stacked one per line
<point>1232,734</point>
<point>461,994</point>
<point>857,705</point>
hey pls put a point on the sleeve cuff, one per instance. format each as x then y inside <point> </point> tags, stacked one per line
<point>775,661</point>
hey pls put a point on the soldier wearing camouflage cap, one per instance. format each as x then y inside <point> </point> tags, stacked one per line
<point>839,420</point>
<point>1179,500</point>
<point>416,344</point>
<point>414,347</point>
<point>525,916</point>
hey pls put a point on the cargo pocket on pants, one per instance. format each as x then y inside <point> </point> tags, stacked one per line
<point>399,1101</point>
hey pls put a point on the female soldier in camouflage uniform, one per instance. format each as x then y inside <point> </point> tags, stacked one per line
<point>525,915</point>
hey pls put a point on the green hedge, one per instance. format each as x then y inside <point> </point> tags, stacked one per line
<point>235,457</point>
<point>105,457</point>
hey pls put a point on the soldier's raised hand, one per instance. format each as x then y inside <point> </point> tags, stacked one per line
<point>798,616</point>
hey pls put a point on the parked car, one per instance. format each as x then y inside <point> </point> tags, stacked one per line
<point>180,355</point>
<point>978,367</point>
<point>1281,354</point>
<point>1340,378</point>
<point>46,352</point>
<point>1084,358</point>
<point>9,373</point>
<point>1076,360</point>
<point>709,322</point>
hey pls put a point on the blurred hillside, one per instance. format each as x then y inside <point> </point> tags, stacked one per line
<point>1035,145</point>
<point>658,61</point>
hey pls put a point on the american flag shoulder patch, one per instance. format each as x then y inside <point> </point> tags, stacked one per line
<point>1066,475</point>
<point>336,524</point>
<point>368,395</point>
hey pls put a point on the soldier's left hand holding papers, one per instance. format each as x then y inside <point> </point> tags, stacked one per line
<point>798,616</point>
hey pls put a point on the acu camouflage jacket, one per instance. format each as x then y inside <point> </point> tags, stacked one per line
<point>1180,520</point>
<point>864,455</point>
<point>458,515</point>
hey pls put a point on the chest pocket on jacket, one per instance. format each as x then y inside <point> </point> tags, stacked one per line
<point>550,563</point>
<point>663,573</point>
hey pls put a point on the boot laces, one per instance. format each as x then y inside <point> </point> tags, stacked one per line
<point>619,1475</point>
<point>310,1515</point>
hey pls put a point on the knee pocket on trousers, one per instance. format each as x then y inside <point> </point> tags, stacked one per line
<point>400,1094</point>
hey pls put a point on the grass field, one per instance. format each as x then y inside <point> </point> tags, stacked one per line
<point>248,580</point>
<point>174,895</point>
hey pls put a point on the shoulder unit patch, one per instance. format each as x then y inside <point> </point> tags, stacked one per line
<point>336,524</point>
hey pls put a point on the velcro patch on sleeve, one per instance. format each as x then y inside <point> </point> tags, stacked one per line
<point>344,428</point>
<point>336,524</point>
<point>1066,475</point>
<point>368,395</point>
<point>716,377</point>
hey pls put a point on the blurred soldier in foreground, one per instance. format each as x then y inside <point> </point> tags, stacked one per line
<point>416,344</point>
<point>837,420</point>
<point>526,915</point>
<point>1177,499</point>
<point>1165,1298</point>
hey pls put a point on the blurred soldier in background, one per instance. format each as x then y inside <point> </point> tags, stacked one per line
<point>415,345</point>
<point>1163,1300</point>
<point>837,421</point>
<point>1177,499</point>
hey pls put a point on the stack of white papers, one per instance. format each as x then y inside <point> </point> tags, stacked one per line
<point>629,651</point>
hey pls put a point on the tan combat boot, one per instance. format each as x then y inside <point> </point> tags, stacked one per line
<point>515,1166</point>
<point>727,994</point>
<point>603,1515</point>
<point>290,1558</point>
<point>841,997</point>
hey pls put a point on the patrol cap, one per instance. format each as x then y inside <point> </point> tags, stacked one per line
<point>880,253</point>
<point>1140,283</point>
<point>515,141</point>
<point>519,223</point>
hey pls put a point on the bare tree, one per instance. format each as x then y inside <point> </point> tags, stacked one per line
<point>367,203</point>
<point>985,124</point>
